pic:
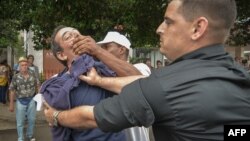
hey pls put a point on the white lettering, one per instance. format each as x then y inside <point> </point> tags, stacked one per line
<point>243,131</point>
<point>231,132</point>
<point>237,131</point>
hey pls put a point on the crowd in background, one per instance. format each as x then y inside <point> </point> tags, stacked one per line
<point>159,63</point>
<point>245,62</point>
<point>7,72</point>
<point>5,78</point>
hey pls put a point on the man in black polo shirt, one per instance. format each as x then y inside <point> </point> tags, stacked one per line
<point>192,98</point>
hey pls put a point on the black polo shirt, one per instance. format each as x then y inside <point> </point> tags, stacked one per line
<point>189,100</point>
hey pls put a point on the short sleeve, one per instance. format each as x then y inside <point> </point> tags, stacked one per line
<point>128,109</point>
<point>13,83</point>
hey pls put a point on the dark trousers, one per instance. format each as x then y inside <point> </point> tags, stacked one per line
<point>3,93</point>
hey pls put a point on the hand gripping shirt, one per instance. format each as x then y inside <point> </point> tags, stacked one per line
<point>66,91</point>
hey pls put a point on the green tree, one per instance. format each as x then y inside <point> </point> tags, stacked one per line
<point>12,20</point>
<point>93,18</point>
<point>138,19</point>
<point>240,34</point>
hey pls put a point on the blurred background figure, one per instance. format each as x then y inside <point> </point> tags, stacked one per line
<point>23,87</point>
<point>166,62</point>
<point>31,65</point>
<point>5,77</point>
<point>3,83</point>
<point>148,63</point>
<point>158,64</point>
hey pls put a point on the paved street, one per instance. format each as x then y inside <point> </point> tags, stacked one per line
<point>8,126</point>
<point>42,133</point>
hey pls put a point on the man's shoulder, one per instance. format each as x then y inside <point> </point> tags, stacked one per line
<point>190,66</point>
<point>35,66</point>
<point>143,68</point>
<point>16,76</point>
<point>31,72</point>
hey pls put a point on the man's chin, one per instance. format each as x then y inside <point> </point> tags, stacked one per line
<point>161,51</point>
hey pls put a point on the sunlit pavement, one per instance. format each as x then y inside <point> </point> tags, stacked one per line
<point>42,130</point>
<point>8,126</point>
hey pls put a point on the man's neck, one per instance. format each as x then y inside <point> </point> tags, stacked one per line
<point>124,58</point>
<point>24,73</point>
<point>69,64</point>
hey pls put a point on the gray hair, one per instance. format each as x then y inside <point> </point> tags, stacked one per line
<point>55,47</point>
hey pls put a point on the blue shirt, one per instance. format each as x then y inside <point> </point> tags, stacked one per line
<point>66,91</point>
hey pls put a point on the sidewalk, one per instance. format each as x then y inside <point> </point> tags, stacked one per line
<point>8,119</point>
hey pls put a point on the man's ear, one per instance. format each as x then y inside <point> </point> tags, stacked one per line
<point>61,56</point>
<point>199,28</point>
<point>123,50</point>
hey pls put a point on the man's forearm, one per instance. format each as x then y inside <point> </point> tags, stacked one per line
<point>115,84</point>
<point>122,68</point>
<point>38,88</point>
<point>11,96</point>
<point>79,117</point>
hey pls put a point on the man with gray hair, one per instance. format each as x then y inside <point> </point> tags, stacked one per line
<point>23,87</point>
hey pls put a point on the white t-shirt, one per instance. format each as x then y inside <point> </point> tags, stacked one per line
<point>143,68</point>
<point>139,133</point>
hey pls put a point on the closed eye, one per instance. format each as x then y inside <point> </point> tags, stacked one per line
<point>168,21</point>
<point>66,36</point>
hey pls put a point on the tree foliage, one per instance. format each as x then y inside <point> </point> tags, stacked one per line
<point>13,18</point>
<point>240,34</point>
<point>138,19</point>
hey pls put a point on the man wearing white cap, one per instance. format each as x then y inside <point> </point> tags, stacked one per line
<point>118,45</point>
<point>86,44</point>
<point>114,53</point>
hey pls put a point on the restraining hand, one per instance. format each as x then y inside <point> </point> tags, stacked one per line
<point>92,77</point>
<point>48,112</point>
<point>84,44</point>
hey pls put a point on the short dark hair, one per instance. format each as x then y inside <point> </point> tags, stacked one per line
<point>158,61</point>
<point>147,59</point>
<point>30,56</point>
<point>55,47</point>
<point>4,62</point>
<point>244,61</point>
<point>220,13</point>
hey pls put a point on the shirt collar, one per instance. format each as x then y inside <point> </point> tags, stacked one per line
<point>203,53</point>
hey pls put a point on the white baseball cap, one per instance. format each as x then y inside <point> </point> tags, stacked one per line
<point>116,37</point>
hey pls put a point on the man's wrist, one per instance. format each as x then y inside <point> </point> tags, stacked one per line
<point>98,81</point>
<point>99,52</point>
<point>55,118</point>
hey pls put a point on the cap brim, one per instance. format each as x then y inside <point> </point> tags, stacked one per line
<point>103,42</point>
<point>22,61</point>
